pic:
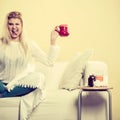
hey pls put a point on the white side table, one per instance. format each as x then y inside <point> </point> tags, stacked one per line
<point>95,89</point>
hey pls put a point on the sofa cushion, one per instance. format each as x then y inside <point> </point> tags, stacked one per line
<point>72,75</point>
<point>55,74</point>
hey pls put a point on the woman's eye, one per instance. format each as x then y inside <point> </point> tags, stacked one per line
<point>17,24</point>
<point>10,24</point>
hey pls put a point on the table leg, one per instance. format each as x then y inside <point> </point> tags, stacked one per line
<point>110,104</point>
<point>80,105</point>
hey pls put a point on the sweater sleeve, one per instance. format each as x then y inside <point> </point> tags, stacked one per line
<point>41,56</point>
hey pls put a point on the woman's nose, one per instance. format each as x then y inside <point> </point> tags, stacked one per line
<point>14,26</point>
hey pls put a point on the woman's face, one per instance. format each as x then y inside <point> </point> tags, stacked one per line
<point>14,28</point>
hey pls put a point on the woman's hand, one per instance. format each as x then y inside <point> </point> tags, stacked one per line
<point>54,35</point>
<point>9,87</point>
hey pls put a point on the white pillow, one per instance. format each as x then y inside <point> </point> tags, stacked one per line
<point>73,73</point>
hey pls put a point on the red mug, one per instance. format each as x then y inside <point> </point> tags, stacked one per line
<point>63,30</point>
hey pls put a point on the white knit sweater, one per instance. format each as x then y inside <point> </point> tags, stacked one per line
<point>18,69</point>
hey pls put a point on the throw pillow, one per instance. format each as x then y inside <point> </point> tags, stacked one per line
<point>72,75</point>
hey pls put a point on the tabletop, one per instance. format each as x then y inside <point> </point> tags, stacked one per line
<point>95,88</point>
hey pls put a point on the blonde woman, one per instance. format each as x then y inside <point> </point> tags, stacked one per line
<point>17,69</point>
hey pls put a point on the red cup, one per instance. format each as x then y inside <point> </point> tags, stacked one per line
<point>63,30</point>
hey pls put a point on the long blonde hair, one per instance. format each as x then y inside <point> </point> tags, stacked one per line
<point>6,38</point>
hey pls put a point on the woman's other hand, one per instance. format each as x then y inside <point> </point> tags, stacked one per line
<point>54,35</point>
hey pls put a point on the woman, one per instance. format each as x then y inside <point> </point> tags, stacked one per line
<point>17,57</point>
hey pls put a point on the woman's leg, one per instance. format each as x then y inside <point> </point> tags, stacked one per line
<point>2,87</point>
<point>17,91</point>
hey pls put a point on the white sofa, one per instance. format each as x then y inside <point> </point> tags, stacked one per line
<point>59,104</point>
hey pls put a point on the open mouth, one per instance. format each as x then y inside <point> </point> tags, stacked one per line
<point>15,32</point>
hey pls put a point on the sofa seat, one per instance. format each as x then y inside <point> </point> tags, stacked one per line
<point>58,105</point>
<point>9,109</point>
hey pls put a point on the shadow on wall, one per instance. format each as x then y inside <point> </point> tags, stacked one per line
<point>94,105</point>
<point>93,99</point>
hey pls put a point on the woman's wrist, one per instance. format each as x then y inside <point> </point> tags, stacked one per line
<point>53,42</point>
